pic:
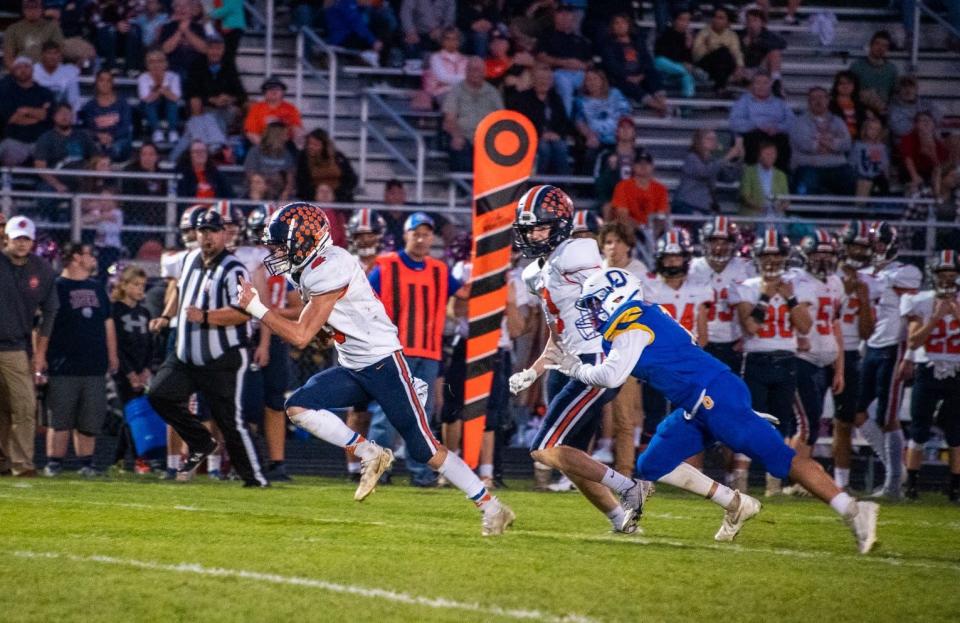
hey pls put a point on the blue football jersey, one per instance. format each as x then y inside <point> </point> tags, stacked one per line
<point>672,363</point>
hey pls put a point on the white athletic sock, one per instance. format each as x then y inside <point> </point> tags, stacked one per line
<point>616,481</point>
<point>213,462</point>
<point>486,470</point>
<point>353,467</point>
<point>637,434</point>
<point>173,461</point>
<point>844,504</point>
<point>893,443</point>
<point>841,476</point>
<point>616,517</point>
<point>604,443</point>
<point>366,449</point>
<point>328,427</point>
<point>874,436</point>
<point>462,477</point>
<point>689,478</point>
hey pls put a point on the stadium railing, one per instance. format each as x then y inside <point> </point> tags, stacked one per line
<point>920,9</point>
<point>369,98</point>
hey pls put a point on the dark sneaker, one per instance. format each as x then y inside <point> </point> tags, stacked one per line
<point>278,473</point>
<point>194,461</point>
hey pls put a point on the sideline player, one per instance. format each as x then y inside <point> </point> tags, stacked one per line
<point>371,362</point>
<point>856,323</point>
<point>544,221</point>
<point>934,324</point>
<point>819,352</point>
<point>714,404</point>
<point>879,376</point>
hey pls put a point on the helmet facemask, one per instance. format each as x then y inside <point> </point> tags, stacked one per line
<point>821,264</point>
<point>719,252</point>
<point>857,255</point>
<point>772,265</point>
<point>945,283</point>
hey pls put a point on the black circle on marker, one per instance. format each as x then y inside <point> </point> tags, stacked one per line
<point>489,143</point>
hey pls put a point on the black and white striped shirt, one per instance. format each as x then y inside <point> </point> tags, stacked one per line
<point>208,287</point>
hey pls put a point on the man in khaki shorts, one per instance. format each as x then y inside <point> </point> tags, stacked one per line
<point>26,281</point>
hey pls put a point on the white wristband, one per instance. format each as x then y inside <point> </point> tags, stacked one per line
<point>257,309</point>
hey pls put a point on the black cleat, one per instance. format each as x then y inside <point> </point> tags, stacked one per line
<point>193,461</point>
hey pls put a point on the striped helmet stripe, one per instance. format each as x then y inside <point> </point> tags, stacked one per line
<point>721,226</point>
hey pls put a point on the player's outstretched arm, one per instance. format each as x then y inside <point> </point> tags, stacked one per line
<point>624,353</point>
<point>297,332</point>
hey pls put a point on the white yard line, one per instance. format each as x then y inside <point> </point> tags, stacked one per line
<point>439,603</point>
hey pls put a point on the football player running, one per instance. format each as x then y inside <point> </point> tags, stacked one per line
<point>544,220</point>
<point>934,324</point>
<point>639,339</point>
<point>371,366</point>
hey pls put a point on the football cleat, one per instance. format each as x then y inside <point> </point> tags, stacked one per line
<point>746,509</point>
<point>495,522</point>
<point>863,522</point>
<point>186,471</point>
<point>370,472</point>
<point>632,499</point>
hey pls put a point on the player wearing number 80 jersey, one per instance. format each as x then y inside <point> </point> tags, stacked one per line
<point>772,309</point>
<point>934,324</point>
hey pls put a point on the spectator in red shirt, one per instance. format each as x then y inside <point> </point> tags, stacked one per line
<point>273,108</point>
<point>924,155</point>
<point>640,196</point>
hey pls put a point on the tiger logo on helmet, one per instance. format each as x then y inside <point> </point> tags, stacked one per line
<point>770,252</point>
<point>819,253</point>
<point>296,233</point>
<point>673,243</point>
<point>943,270</point>
<point>542,206</point>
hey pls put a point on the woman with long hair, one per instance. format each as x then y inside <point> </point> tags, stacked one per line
<point>199,176</point>
<point>321,163</point>
<point>597,111</point>
<point>845,101</point>
<point>272,160</point>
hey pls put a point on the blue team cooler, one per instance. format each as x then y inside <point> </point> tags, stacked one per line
<point>146,428</point>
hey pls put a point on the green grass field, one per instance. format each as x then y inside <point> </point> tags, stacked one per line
<point>119,550</point>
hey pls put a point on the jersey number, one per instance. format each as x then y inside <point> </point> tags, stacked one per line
<point>686,319</point>
<point>853,303</point>
<point>277,291</point>
<point>552,308</point>
<point>945,338</point>
<point>724,316</point>
<point>777,323</point>
<point>824,315</point>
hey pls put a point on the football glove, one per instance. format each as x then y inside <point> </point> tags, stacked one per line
<point>563,362</point>
<point>522,380</point>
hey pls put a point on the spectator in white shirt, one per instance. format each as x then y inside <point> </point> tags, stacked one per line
<point>160,95</point>
<point>448,66</point>
<point>61,78</point>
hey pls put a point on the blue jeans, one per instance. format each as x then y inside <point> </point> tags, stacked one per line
<point>383,432</point>
<point>108,38</point>
<point>152,111</point>
<point>673,70</point>
<point>566,82</point>
<point>553,158</point>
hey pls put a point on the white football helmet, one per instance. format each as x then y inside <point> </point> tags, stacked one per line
<point>605,291</point>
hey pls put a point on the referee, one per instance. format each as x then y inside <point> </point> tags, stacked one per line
<point>210,356</point>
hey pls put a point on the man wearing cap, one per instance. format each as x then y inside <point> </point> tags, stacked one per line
<point>25,37</point>
<point>214,84</point>
<point>24,112</point>
<point>272,108</point>
<point>414,289</point>
<point>182,38</point>
<point>640,196</point>
<point>210,355</point>
<point>26,281</point>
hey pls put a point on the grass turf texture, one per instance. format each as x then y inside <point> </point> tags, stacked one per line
<point>119,550</point>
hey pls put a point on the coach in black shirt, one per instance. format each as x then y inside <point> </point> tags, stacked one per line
<point>210,355</point>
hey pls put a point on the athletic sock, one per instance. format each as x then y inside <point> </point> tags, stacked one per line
<point>353,467</point>
<point>604,443</point>
<point>616,481</point>
<point>324,425</point>
<point>689,478</point>
<point>173,461</point>
<point>462,477</point>
<point>486,470</point>
<point>213,462</point>
<point>913,478</point>
<point>893,443</point>
<point>841,476</point>
<point>364,449</point>
<point>616,517</point>
<point>874,436</point>
<point>844,504</point>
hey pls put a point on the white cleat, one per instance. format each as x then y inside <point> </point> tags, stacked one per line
<point>774,487</point>
<point>370,472</point>
<point>863,522</point>
<point>496,522</point>
<point>603,455</point>
<point>733,520</point>
<point>562,486</point>
<point>633,499</point>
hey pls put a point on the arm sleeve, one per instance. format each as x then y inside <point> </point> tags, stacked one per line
<point>740,117</point>
<point>614,370</point>
<point>49,309</point>
<point>802,137</point>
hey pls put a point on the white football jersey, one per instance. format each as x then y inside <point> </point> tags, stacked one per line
<point>171,264</point>
<point>558,283</point>
<point>850,310</point>
<point>889,328</point>
<point>723,326</point>
<point>681,304</point>
<point>777,332</point>
<point>251,256</point>
<point>635,267</point>
<point>821,340</point>
<point>943,343</point>
<point>362,331</point>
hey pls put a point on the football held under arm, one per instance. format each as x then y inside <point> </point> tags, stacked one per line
<point>614,370</point>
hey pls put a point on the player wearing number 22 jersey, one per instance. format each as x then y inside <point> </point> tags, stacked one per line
<point>339,298</point>
<point>714,405</point>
